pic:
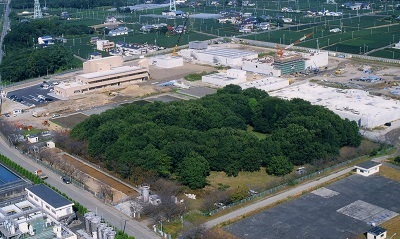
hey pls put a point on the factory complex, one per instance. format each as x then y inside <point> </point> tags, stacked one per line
<point>367,110</point>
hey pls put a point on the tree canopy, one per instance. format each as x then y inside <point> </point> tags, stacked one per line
<point>213,132</point>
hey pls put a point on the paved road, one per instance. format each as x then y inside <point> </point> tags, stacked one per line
<point>110,214</point>
<point>269,201</point>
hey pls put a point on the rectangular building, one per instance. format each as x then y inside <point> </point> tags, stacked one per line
<point>50,201</point>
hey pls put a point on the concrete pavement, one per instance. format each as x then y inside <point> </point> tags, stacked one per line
<point>110,214</point>
<point>269,201</point>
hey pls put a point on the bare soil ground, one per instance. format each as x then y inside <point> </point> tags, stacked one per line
<point>70,121</point>
<point>100,176</point>
<point>158,74</point>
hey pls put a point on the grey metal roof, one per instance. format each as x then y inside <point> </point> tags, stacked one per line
<point>367,164</point>
<point>50,196</point>
<point>376,231</point>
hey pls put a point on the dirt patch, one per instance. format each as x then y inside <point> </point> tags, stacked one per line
<point>177,72</point>
<point>100,176</point>
<point>70,121</point>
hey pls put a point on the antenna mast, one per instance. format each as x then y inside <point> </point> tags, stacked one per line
<point>37,12</point>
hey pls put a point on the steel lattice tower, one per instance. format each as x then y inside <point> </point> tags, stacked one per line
<point>37,12</point>
<point>172,5</point>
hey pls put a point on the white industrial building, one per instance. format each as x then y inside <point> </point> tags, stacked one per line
<point>367,110</point>
<point>220,56</point>
<point>31,217</point>
<point>263,66</point>
<point>50,201</point>
<point>266,65</point>
<point>232,76</point>
<point>166,61</point>
<point>267,84</point>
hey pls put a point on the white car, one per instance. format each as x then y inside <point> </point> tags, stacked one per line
<point>335,30</point>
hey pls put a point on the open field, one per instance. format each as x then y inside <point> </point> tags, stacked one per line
<point>70,121</point>
<point>253,180</point>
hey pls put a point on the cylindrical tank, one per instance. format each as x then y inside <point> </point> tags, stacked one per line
<point>111,235</point>
<point>88,218</point>
<point>94,223</point>
<point>145,190</point>
<point>105,231</point>
<point>100,227</point>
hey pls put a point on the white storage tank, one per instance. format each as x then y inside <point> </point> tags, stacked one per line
<point>111,235</point>
<point>94,223</point>
<point>145,190</point>
<point>88,218</point>
<point>100,227</point>
<point>105,231</point>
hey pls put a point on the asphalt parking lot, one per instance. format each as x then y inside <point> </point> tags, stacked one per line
<point>344,209</point>
<point>33,96</point>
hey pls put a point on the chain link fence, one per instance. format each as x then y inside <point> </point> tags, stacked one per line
<point>277,188</point>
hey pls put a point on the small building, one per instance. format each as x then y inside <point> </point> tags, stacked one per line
<point>45,40</point>
<point>376,233</point>
<point>111,19</point>
<point>367,168</point>
<point>33,139</point>
<point>50,201</point>
<point>50,145</point>
<point>104,45</point>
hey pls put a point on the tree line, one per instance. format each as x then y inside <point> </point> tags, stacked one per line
<point>24,59</point>
<point>220,132</point>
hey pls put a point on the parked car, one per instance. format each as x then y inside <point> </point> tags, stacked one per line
<point>66,179</point>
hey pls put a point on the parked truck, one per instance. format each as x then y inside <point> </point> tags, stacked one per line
<point>39,113</point>
<point>40,174</point>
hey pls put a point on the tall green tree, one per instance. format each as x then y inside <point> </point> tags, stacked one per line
<point>279,165</point>
<point>193,171</point>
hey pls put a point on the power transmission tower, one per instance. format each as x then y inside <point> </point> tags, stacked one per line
<point>37,12</point>
<point>172,5</point>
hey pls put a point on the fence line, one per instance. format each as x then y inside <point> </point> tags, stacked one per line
<point>275,189</point>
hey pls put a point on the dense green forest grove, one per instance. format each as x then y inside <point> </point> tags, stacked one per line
<point>187,139</point>
<point>23,60</point>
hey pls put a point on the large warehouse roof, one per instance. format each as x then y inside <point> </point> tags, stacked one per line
<point>228,53</point>
<point>367,110</point>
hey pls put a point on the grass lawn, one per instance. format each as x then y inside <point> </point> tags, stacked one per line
<point>250,179</point>
<point>389,172</point>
